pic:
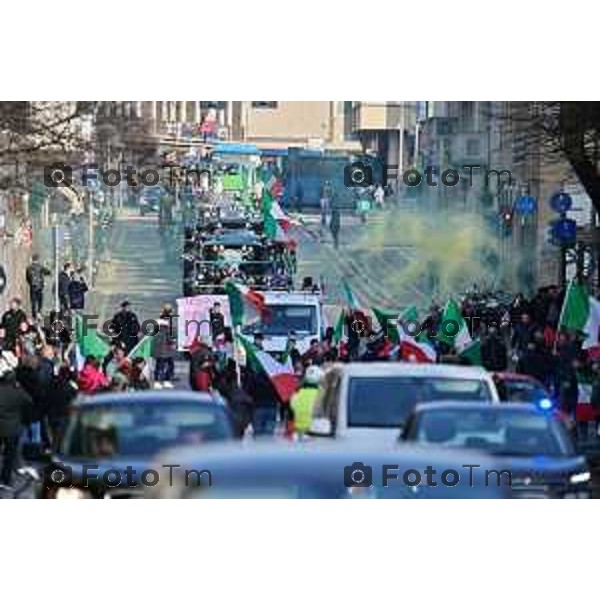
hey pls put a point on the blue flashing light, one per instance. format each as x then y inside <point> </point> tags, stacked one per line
<point>545,404</point>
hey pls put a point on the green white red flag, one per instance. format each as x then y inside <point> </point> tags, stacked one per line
<point>245,304</point>
<point>281,375</point>
<point>418,347</point>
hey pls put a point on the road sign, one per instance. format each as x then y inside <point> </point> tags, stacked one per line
<point>526,205</point>
<point>561,202</point>
<point>564,231</point>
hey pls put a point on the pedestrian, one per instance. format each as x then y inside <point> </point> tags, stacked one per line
<point>303,401</point>
<point>15,413</point>
<point>62,392</point>
<point>325,204</point>
<point>64,281</point>
<point>334,226</point>
<point>217,321</point>
<point>379,196</point>
<point>77,291</point>
<point>494,354</point>
<point>201,364</point>
<point>537,361</point>
<point>164,349</point>
<point>523,334</point>
<point>265,401</point>
<point>138,375</point>
<point>11,323</point>
<point>35,275</point>
<point>29,341</point>
<point>126,326</point>
<point>566,384</point>
<point>238,401</point>
<point>291,349</point>
<point>114,360</point>
<point>91,379</point>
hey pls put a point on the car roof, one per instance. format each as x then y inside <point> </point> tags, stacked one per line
<point>394,369</point>
<point>466,405</point>
<point>318,452</point>
<point>153,396</point>
<point>508,376</point>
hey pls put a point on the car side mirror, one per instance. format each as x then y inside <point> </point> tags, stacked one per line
<point>321,427</point>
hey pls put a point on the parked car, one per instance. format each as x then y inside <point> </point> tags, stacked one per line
<point>111,441</point>
<point>531,444</point>
<point>322,471</point>
<point>374,399</point>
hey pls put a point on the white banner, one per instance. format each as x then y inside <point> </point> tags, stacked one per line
<point>194,317</point>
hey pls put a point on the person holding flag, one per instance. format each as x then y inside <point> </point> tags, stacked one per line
<point>270,383</point>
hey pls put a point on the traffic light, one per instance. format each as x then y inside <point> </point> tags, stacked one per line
<point>506,219</point>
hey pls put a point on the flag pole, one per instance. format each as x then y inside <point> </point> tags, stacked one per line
<point>236,357</point>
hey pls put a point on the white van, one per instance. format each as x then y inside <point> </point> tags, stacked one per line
<point>300,312</point>
<point>373,400</point>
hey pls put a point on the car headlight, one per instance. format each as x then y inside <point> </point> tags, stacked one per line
<point>577,478</point>
<point>64,493</point>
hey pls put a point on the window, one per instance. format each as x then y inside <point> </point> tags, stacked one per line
<point>264,104</point>
<point>472,147</point>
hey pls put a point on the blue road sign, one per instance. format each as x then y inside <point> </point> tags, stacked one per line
<point>561,202</point>
<point>525,205</point>
<point>564,231</point>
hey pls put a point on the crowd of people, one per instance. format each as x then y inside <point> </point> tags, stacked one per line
<point>41,370</point>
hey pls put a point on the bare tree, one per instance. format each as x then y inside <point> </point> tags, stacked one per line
<point>27,128</point>
<point>570,130</point>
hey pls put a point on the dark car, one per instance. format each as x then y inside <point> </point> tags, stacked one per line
<point>531,443</point>
<point>111,441</point>
<point>324,470</point>
<point>515,387</point>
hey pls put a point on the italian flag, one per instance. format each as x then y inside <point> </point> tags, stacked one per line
<point>351,299</point>
<point>461,341</point>
<point>581,313</point>
<point>414,348</point>
<point>280,216</point>
<point>388,321</point>
<point>89,342</point>
<point>275,221</point>
<point>244,303</point>
<point>338,331</point>
<point>282,376</point>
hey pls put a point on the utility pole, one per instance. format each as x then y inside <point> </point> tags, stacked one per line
<point>55,230</point>
<point>91,240</point>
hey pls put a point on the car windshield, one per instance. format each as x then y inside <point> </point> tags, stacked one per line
<point>501,432</point>
<point>142,429</point>
<point>387,401</point>
<point>280,319</point>
<point>524,391</point>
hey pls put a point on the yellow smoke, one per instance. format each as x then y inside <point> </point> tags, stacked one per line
<point>439,254</point>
